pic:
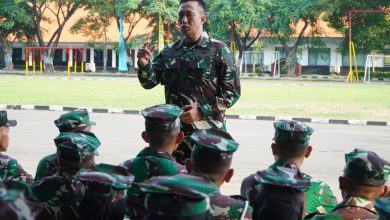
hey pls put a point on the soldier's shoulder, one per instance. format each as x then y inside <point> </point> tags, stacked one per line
<point>5,157</point>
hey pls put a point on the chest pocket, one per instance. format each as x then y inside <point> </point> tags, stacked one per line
<point>172,71</point>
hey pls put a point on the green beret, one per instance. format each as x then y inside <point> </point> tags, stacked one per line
<point>4,121</point>
<point>382,206</point>
<point>73,119</point>
<point>179,195</point>
<point>76,147</point>
<point>366,168</point>
<point>292,132</point>
<point>164,116</point>
<point>213,142</point>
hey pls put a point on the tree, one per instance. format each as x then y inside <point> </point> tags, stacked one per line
<point>62,11</point>
<point>293,23</point>
<point>14,23</point>
<point>238,19</point>
<point>370,31</point>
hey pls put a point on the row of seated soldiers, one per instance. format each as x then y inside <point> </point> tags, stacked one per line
<point>70,185</point>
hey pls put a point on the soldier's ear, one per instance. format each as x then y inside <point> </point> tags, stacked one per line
<point>179,137</point>
<point>229,175</point>
<point>308,151</point>
<point>342,183</point>
<point>203,18</point>
<point>188,165</point>
<point>144,136</point>
<point>274,149</point>
<point>385,191</point>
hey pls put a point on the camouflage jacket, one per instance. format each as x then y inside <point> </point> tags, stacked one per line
<point>319,197</point>
<point>60,195</point>
<point>205,74</point>
<point>47,166</point>
<point>11,171</point>
<point>148,163</point>
<point>351,208</point>
<point>229,207</point>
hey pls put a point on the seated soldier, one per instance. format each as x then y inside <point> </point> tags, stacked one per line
<point>61,193</point>
<point>281,196</point>
<point>179,197</point>
<point>382,206</point>
<point>162,132</point>
<point>77,120</point>
<point>291,147</point>
<point>364,180</point>
<point>211,157</point>
<point>13,175</point>
<point>104,197</point>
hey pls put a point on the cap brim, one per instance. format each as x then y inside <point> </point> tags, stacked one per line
<point>12,123</point>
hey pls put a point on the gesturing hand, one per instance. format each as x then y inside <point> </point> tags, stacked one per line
<point>144,54</point>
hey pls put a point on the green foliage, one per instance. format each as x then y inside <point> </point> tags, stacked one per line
<point>15,19</point>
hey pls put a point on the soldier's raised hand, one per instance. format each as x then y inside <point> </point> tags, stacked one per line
<point>144,54</point>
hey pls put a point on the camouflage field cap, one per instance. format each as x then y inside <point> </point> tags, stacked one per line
<point>213,143</point>
<point>165,116</point>
<point>179,195</point>
<point>366,168</point>
<point>4,121</point>
<point>382,206</point>
<point>73,119</point>
<point>292,132</point>
<point>76,147</point>
<point>286,176</point>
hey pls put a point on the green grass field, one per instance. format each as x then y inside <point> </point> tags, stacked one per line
<point>273,98</point>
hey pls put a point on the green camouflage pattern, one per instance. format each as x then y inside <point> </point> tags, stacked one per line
<point>60,195</point>
<point>4,121</point>
<point>76,147</point>
<point>319,198</point>
<point>149,163</point>
<point>11,172</point>
<point>214,140</point>
<point>351,208</point>
<point>366,168</point>
<point>229,207</point>
<point>47,166</point>
<point>382,206</point>
<point>105,182</point>
<point>178,195</point>
<point>165,116</point>
<point>13,205</point>
<point>71,120</point>
<point>292,132</point>
<point>205,74</point>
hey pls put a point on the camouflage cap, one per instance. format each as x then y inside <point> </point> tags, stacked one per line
<point>292,132</point>
<point>73,119</point>
<point>4,121</point>
<point>366,168</point>
<point>382,206</point>
<point>213,142</point>
<point>108,176</point>
<point>165,116</point>
<point>179,195</point>
<point>76,147</point>
<point>286,176</point>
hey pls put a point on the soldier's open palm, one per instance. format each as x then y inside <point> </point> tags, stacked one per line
<point>144,55</point>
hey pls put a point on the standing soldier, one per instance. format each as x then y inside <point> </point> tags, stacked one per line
<point>198,72</point>
<point>364,180</point>
<point>74,121</point>
<point>105,192</point>
<point>291,147</point>
<point>162,132</point>
<point>179,197</point>
<point>61,193</point>
<point>211,158</point>
<point>11,172</point>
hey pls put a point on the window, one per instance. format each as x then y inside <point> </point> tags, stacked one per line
<point>386,61</point>
<point>360,59</point>
<point>319,57</point>
<point>282,52</point>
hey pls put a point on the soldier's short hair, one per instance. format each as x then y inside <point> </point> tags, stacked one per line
<point>288,150</point>
<point>201,3</point>
<point>160,137</point>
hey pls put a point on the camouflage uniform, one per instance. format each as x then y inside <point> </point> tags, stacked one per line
<point>178,197</point>
<point>11,172</point>
<point>13,205</point>
<point>204,73</point>
<point>104,198</point>
<point>71,121</point>
<point>150,161</point>
<point>218,146</point>
<point>382,206</point>
<point>319,197</point>
<point>367,169</point>
<point>61,193</point>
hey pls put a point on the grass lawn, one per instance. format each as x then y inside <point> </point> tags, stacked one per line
<point>273,98</point>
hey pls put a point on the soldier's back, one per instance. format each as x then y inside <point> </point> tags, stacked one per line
<point>47,166</point>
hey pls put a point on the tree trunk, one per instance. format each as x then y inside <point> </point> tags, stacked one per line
<point>48,58</point>
<point>7,50</point>
<point>130,60</point>
<point>105,59</point>
<point>291,60</point>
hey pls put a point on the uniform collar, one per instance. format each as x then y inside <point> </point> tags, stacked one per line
<point>203,41</point>
<point>151,151</point>
<point>358,202</point>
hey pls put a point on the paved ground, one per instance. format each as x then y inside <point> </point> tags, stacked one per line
<point>120,136</point>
